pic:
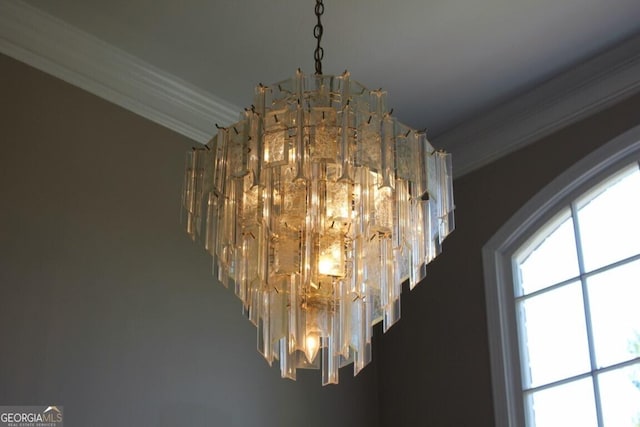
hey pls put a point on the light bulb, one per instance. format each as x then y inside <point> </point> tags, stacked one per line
<point>311,347</point>
<point>331,257</point>
<point>325,265</point>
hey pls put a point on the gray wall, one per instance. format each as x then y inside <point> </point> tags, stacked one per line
<point>106,307</point>
<point>435,361</point>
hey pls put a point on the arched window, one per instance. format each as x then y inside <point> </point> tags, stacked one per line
<point>562,281</point>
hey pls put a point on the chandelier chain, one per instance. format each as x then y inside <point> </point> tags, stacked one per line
<point>318,54</point>
<point>317,177</point>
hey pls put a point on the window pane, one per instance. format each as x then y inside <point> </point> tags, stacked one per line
<point>570,404</point>
<point>608,217</point>
<point>614,297</point>
<point>620,397</point>
<point>553,336</point>
<point>539,266</point>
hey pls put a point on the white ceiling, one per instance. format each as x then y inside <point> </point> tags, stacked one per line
<point>442,61</point>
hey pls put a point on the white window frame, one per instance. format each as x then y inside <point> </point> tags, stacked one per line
<point>499,276</point>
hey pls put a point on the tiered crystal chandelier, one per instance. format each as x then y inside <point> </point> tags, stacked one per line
<point>317,206</point>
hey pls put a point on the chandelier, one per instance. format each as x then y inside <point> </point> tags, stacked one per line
<point>317,206</point>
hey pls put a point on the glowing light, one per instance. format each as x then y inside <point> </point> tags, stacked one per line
<point>312,345</point>
<point>317,206</point>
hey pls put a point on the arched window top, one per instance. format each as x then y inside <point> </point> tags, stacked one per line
<point>558,284</point>
<point>605,220</point>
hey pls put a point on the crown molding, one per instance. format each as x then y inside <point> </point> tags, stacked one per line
<point>565,99</point>
<point>57,48</point>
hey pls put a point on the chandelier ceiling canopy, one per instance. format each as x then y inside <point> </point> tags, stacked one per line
<point>317,206</point>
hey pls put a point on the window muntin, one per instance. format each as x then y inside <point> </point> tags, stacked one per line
<point>577,303</point>
<point>570,404</point>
